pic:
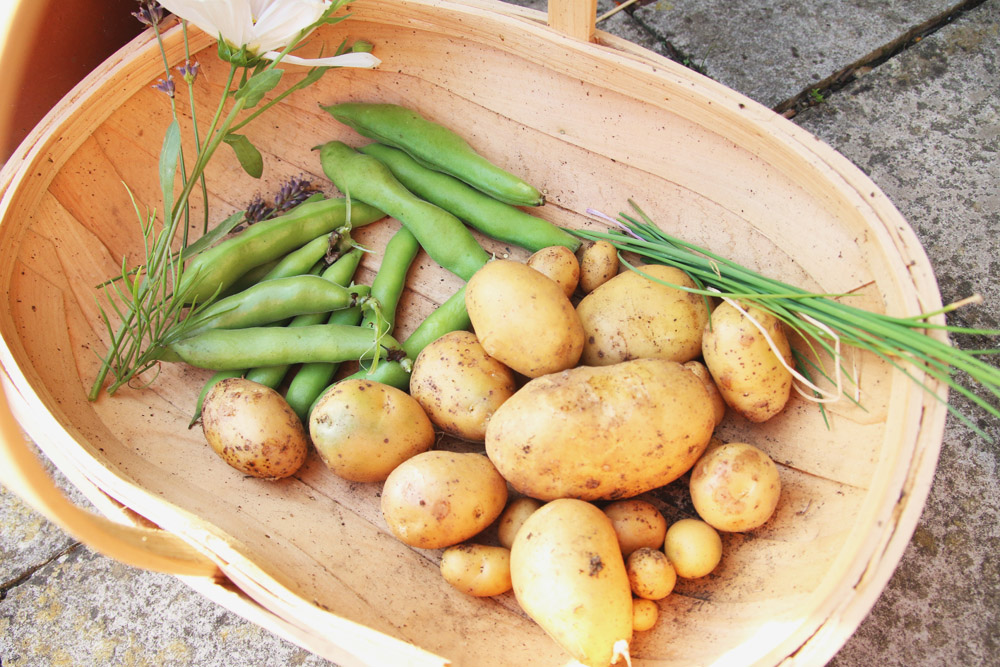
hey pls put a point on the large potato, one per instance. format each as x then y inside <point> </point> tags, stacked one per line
<point>438,499</point>
<point>569,577</point>
<point>749,375</point>
<point>254,429</point>
<point>735,487</point>
<point>605,432</point>
<point>459,385</point>
<point>523,318</point>
<point>633,317</point>
<point>363,429</point>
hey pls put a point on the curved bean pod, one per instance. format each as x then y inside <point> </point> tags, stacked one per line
<point>445,238</point>
<point>271,301</point>
<point>435,146</point>
<point>218,267</point>
<point>490,216</point>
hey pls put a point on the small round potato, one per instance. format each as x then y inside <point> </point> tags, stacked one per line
<point>638,524</point>
<point>650,574</point>
<point>715,396</point>
<point>363,429</point>
<point>514,515</point>
<point>437,499</point>
<point>560,264</point>
<point>693,547</point>
<point>598,265</point>
<point>459,385</point>
<point>644,614</point>
<point>254,429</point>
<point>748,373</point>
<point>523,319</point>
<point>633,316</point>
<point>477,569</point>
<point>735,487</point>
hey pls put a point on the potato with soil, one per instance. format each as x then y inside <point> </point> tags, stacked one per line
<point>513,517</point>
<point>605,432</point>
<point>459,385</point>
<point>479,570</point>
<point>569,577</point>
<point>598,265</point>
<point>632,316</point>
<point>437,499</point>
<point>523,318</point>
<point>750,376</point>
<point>637,523</point>
<point>735,487</point>
<point>362,429</point>
<point>254,429</point>
<point>560,264</point>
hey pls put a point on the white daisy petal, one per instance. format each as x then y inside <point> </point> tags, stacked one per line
<point>361,60</point>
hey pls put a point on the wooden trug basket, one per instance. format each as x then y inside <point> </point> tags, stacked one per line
<point>594,121</point>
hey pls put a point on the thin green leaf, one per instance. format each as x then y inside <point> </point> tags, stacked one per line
<point>248,155</point>
<point>253,90</point>
<point>169,157</point>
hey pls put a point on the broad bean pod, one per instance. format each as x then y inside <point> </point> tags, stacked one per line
<point>273,300</point>
<point>490,216</point>
<point>215,269</point>
<point>443,236</point>
<point>435,146</point>
<point>232,349</point>
<point>390,279</point>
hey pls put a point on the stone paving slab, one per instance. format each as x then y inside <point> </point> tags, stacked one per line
<point>924,126</point>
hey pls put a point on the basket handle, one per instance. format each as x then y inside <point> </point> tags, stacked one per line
<point>574,18</point>
<point>147,548</point>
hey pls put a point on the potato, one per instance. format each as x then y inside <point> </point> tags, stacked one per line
<point>523,319</point>
<point>637,523</point>
<point>569,577</point>
<point>607,432</point>
<point>746,370</point>
<point>254,429</point>
<point>718,403</point>
<point>735,487</point>
<point>693,547</point>
<point>477,569</point>
<point>459,385</point>
<point>437,499</point>
<point>644,614</point>
<point>634,317</point>
<point>560,264</point>
<point>598,265</point>
<point>362,429</point>
<point>650,573</point>
<point>513,517</point>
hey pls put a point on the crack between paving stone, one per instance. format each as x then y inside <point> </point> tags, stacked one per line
<point>819,92</point>
<point>11,584</point>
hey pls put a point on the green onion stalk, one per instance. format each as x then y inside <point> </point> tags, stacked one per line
<point>916,345</point>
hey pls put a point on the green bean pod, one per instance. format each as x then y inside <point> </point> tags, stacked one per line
<point>231,349</point>
<point>340,272</point>
<point>390,279</point>
<point>270,301</point>
<point>217,268</point>
<point>449,316</point>
<point>436,147</point>
<point>445,238</point>
<point>490,216</point>
<point>312,379</point>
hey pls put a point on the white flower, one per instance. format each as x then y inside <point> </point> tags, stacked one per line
<point>263,26</point>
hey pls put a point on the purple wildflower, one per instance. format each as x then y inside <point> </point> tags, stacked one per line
<point>150,13</point>
<point>188,71</point>
<point>165,86</point>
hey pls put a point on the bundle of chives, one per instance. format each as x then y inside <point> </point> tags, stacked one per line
<point>907,343</point>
